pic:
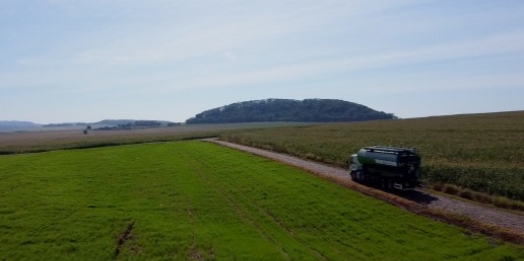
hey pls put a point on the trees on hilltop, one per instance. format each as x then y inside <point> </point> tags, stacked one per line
<point>271,110</point>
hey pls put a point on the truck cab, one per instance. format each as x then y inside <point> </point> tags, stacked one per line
<point>355,167</point>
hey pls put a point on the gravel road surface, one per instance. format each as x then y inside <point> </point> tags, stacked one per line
<point>485,214</point>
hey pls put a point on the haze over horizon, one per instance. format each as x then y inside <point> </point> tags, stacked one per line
<point>85,61</point>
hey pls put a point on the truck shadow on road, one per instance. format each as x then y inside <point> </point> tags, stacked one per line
<point>418,196</point>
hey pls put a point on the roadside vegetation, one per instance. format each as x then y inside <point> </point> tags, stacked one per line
<point>473,156</point>
<point>198,201</point>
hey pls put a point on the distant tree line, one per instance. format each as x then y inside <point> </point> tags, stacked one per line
<point>309,110</point>
<point>54,125</point>
<point>133,125</point>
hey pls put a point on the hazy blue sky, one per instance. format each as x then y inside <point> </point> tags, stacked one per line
<point>88,60</point>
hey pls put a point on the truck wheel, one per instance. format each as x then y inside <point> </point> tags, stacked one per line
<point>383,184</point>
<point>359,176</point>
<point>390,184</point>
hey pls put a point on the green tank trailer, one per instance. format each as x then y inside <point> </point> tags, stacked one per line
<point>390,167</point>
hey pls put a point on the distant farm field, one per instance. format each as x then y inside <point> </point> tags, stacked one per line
<point>39,141</point>
<point>198,201</point>
<point>483,152</point>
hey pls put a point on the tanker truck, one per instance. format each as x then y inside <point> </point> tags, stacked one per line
<point>389,167</point>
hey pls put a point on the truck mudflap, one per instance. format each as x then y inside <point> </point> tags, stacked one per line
<point>404,186</point>
<point>398,186</point>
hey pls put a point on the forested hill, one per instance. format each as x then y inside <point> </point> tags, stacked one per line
<point>310,110</point>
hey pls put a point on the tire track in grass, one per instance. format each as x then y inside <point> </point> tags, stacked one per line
<point>235,205</point>
<point>276,221</point>
<point>123,238</point>
<point>489,221</point>
<point>290,233</point>
<point>247,212</point>
<point>194,249</point>
<point>283,185</point>
<point>194,253</point>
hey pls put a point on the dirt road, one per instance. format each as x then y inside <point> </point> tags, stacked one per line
<point>484,214</point>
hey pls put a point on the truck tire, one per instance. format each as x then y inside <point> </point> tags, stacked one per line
<point>383,184</point>
<point>359,176</point>
<point>390,184</point>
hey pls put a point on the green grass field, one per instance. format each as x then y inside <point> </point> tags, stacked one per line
<point>199,201</point>
<point>482,152</point>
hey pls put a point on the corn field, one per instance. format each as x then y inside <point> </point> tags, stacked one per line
<point>482,152</point>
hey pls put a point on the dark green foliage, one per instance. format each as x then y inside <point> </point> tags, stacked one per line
<point>133,125</point>
<point>309,110</point>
